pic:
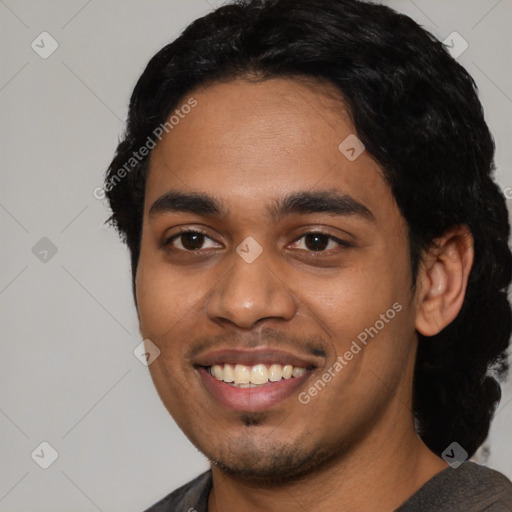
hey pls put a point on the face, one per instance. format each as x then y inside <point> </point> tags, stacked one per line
<point>266,250</point>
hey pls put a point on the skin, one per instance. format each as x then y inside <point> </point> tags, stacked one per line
<point>248,144</point>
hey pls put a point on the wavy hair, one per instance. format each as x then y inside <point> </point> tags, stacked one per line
<point>417,112</point>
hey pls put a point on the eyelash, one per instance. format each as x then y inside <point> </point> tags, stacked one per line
<point>330,238</point>
<point>169,240</point>
<point>167,243</point>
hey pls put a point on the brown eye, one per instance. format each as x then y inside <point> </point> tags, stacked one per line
<point>319,242</point>
<point>316,241</point>
<point>190,241</point>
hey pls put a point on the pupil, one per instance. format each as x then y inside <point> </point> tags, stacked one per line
<point>316,242</point>
<point>192,241</point>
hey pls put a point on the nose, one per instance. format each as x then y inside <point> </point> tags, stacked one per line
<point>251,292</point>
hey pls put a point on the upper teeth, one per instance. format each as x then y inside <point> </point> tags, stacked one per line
<point>257,374</point>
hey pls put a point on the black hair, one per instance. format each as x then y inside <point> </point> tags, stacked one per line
<point>418,114</point>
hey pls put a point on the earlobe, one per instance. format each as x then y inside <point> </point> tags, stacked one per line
<point>442,280</point>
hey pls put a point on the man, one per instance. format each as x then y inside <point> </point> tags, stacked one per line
<point>320,259</point>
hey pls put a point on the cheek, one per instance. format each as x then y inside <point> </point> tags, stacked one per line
<point>165,297</point>
<point>369,329</point>
<point>365,313</point>
<point>352,299</point>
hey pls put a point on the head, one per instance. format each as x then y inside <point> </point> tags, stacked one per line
<point>262,94</point>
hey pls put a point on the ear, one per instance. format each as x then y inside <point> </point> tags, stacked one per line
<point>442,280</point>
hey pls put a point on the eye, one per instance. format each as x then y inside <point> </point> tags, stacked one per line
<point>190,240</point>
<point>319,242</point>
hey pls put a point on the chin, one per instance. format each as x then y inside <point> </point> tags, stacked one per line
<point>277,464</point>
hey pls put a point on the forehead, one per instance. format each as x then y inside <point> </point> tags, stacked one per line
<point>247,142</point>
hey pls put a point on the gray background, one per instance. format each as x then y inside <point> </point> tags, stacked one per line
<point>68,375</point>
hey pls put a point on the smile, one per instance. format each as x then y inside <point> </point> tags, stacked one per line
<point>260,374</point>
<point>254,379</point>
<point>248,396</point>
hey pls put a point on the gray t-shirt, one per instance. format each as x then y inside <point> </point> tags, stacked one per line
<point>469,488</point>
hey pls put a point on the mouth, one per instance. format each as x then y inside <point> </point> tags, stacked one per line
<point>256,380</point>
<point>255,376</point>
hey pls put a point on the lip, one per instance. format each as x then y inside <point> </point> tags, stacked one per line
<point>250,357</point>
<point>251,399</point>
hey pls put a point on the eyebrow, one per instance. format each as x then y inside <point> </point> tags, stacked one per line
<point>175,201</point>
<point>324,201</point>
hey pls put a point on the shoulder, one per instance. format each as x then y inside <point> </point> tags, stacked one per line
<point>469,488</point>
<point>193,496</point>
